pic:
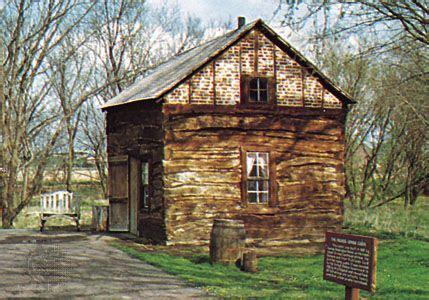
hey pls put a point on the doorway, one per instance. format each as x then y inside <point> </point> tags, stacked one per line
<point>139,190</point>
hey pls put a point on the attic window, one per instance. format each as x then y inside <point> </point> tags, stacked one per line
<point>257,90</point>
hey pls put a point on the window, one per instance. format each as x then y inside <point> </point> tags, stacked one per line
<point>144,200</point>
<point>258,177</point>
<point>257,90</point>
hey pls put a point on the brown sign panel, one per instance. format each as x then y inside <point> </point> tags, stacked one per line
<point>350,260</point>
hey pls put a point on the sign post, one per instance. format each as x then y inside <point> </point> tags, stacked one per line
<point>351,260</point>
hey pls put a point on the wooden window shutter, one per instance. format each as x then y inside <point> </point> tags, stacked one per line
<point>272,93</point>
<point>244,88</point>
<point>119,193</point>
<point>243,178</point>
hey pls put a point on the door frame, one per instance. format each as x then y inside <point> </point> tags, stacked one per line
<point>134,185</point>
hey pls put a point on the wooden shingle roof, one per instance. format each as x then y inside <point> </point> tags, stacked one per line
<point>171,73</point>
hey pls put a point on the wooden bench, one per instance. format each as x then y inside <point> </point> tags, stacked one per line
<point>60,204</point>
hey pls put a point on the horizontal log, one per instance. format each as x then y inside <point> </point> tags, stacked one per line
<point>191,140</point>
<point>215,189</point>
<point>307,161</point>
<point>201,178</point>
<point>177,109</point>
<point>209,153</point>
<point>203,165</point>
<point>291,126</point>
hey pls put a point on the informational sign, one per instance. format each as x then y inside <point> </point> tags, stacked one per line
<point>350,260</point>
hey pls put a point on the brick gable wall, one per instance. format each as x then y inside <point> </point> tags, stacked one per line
<point>219,82</point>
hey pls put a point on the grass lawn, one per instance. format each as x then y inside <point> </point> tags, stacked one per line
<point>391,219</point>
<point>402,273</point>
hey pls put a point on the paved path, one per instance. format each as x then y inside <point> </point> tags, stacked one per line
<point>79,265</point>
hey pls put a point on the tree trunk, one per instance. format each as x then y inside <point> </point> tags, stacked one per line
<point>69,164</point>
<point>414,196</point>
<point>101,175</point>
<point>8,218</point>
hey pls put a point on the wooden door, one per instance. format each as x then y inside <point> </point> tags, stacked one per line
<point>118,193</point>
<point>134,194</point>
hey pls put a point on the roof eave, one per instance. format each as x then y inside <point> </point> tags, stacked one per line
<point>105,107</point>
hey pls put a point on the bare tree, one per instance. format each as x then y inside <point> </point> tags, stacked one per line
<point>377,51</point>
<point>130,40</point>
<point>31,31</point>
<point>2,116</point>
<point>393,22</point>
<point>93,139</point>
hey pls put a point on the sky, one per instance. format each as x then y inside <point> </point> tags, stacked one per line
<point>229,9</point>
<point>221,9</point>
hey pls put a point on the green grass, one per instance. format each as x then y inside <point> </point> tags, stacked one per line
<point>402,273</point>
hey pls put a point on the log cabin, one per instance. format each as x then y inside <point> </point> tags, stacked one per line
<point>241,127</point>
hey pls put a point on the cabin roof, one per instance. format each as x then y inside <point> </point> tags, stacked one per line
<point>179,68</point>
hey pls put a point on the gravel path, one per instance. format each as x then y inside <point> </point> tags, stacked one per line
<point>79,265</point>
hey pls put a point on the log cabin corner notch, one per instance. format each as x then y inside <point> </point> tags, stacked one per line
<point>240,127</point>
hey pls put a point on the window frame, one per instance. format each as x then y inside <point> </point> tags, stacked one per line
<point>258,178</point>
<point>146,159</point>
<point>262,87</point>
<point>272,183</point>
<point>246,90</point>
<point>142,186</point>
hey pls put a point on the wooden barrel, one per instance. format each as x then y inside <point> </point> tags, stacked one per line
<point>250,262</point>
<point>227,241</point>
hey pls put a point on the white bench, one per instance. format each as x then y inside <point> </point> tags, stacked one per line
<point>59,204</point>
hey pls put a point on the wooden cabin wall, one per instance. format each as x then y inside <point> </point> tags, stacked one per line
<point>206,128</point>
<point>197,137</point>
<point>136,130</point>
<point>203,172</point>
